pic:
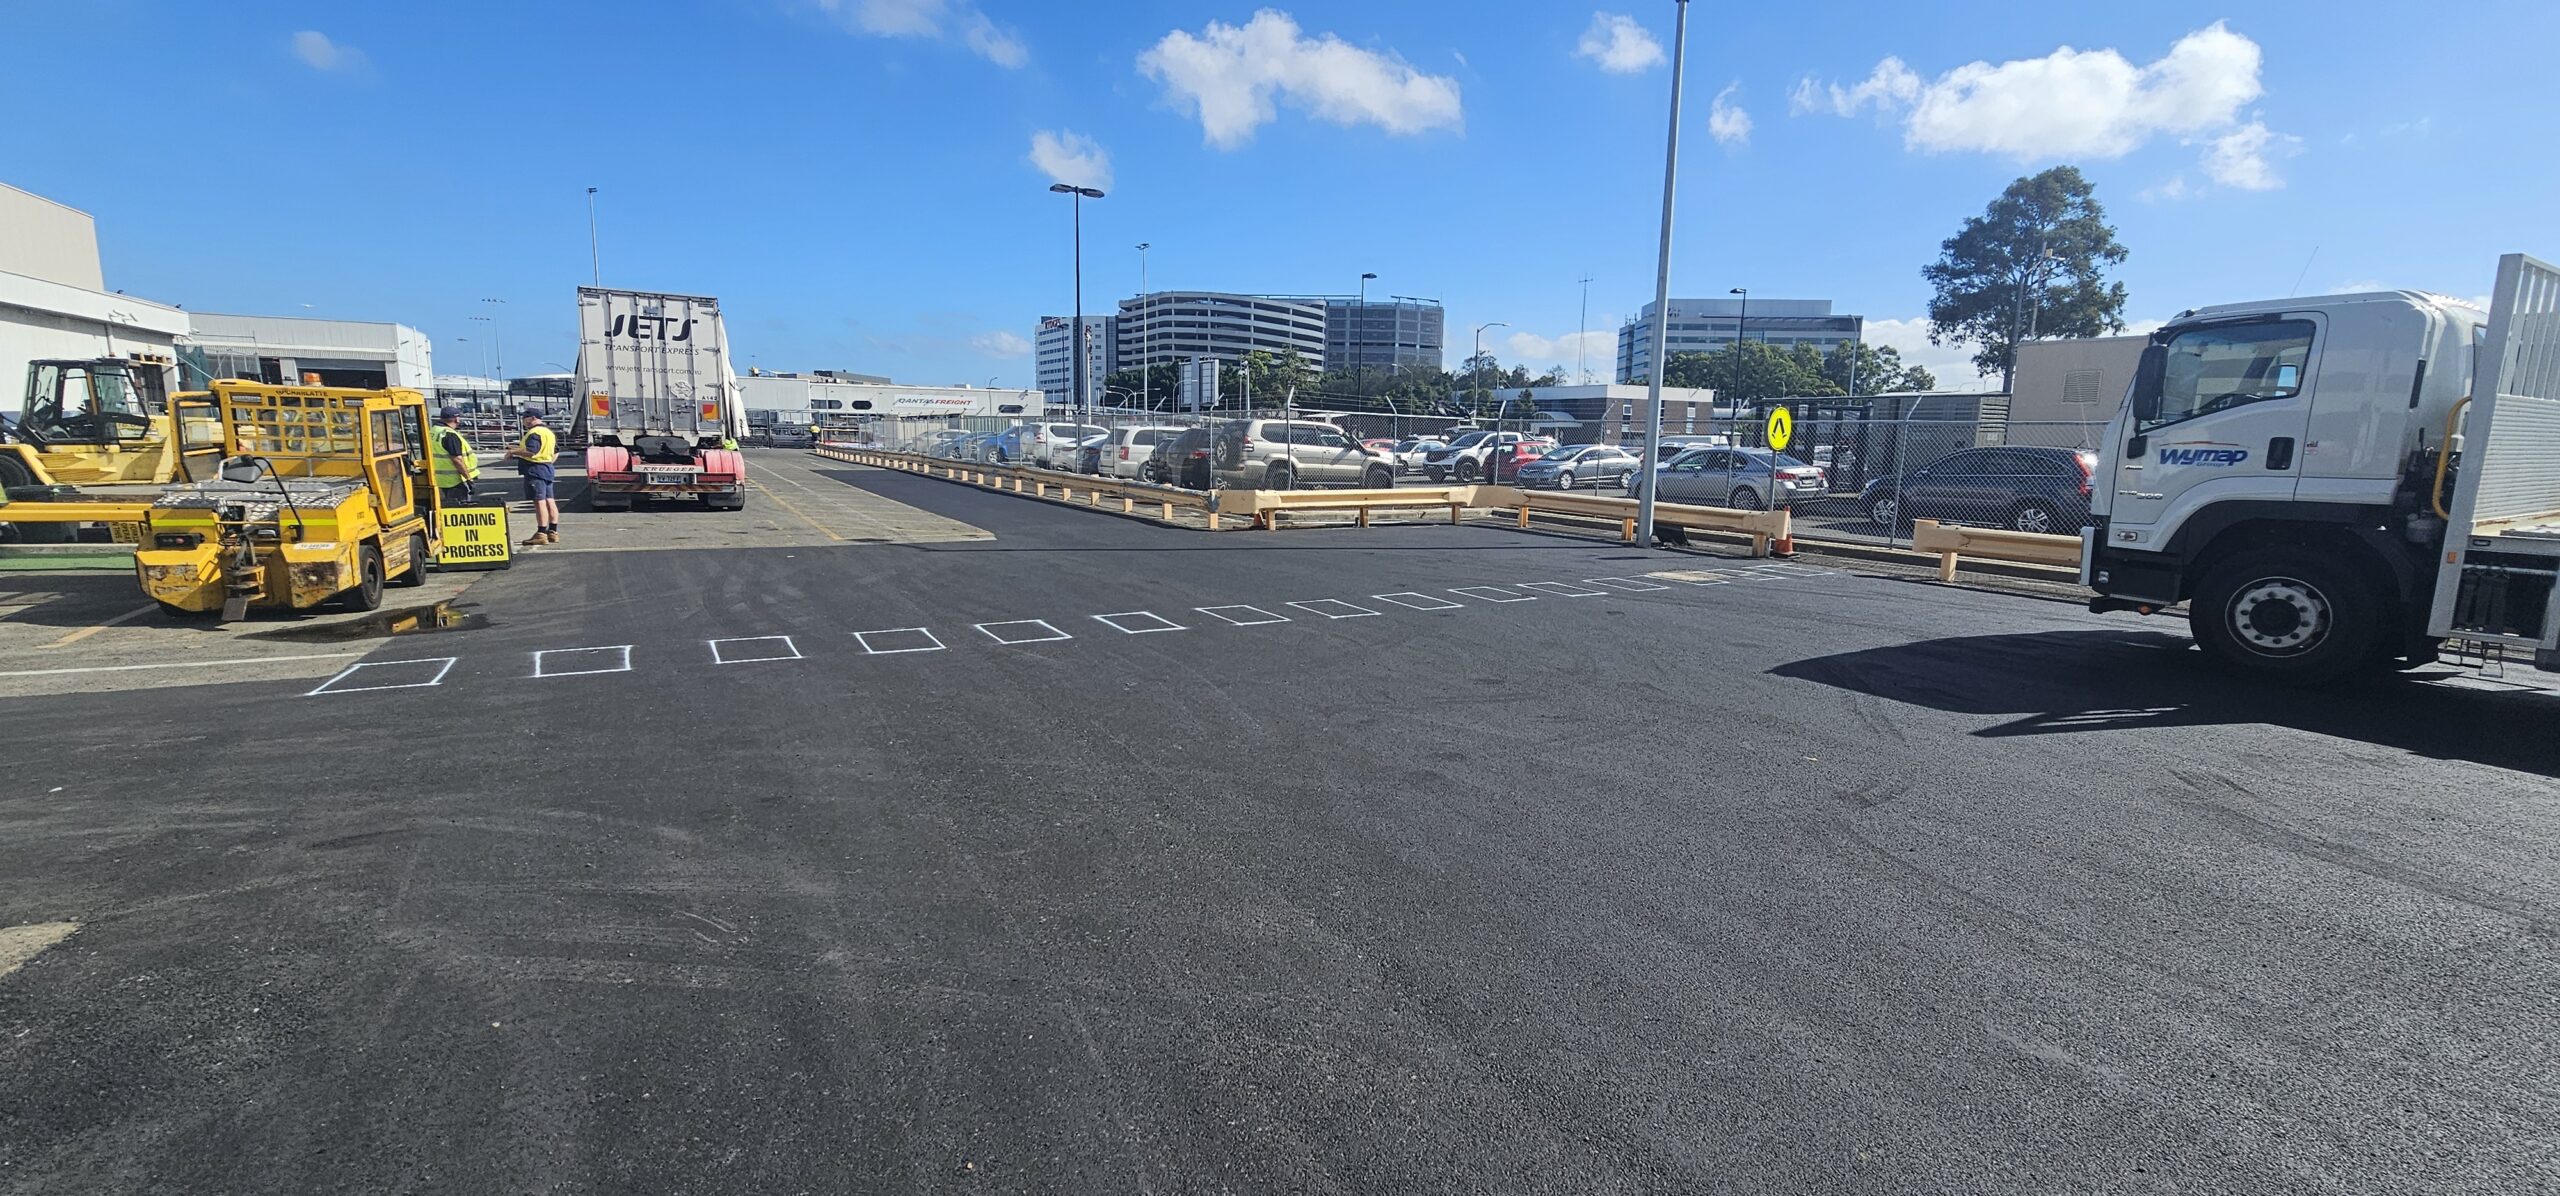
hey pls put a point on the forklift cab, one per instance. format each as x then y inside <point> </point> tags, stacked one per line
<point>102,403</point>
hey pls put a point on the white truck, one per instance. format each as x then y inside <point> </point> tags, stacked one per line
<point>658,406</point>
<point>2343,483</point>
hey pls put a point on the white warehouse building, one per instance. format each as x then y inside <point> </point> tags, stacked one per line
<point>290,348</point>
<point>54,301</point>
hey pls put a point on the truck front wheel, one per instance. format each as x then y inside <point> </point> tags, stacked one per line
<point>2289,615</point>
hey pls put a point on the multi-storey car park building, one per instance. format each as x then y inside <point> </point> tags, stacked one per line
<point>1707,325</point>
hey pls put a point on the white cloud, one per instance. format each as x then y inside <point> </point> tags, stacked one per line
<point>936,19</point>
<point>2072,103</point>
<point>1234,76</point>
<point>1071,158</point>
<point>2172,191</point>
<point>2239,158</point>
<point>1726,120</point>
<point>1596,351</point>
<point>1951,365</point>
<point>320,54</point>
<point>1618,44</point>
<point>1890,85</point>
<point>1000,344</point>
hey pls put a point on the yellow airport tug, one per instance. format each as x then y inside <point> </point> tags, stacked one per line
<point>325,494</point>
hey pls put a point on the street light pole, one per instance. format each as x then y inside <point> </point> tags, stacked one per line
<point>1740,331</point>
<point>1079,344</point>
<point>1477,362</point>
<point>1146,335</point>
<point>1359,344</point>
<point>1662,288</point>
<point>594,262</point>
<point>497,346</point>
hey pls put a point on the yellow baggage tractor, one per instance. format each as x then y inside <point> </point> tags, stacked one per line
<point>325,495</point>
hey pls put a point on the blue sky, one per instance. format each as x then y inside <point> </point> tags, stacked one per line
<point>857,179</point>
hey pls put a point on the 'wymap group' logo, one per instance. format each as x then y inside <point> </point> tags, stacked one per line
<point>2203,452</point>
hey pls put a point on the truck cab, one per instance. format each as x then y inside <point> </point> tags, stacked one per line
<point>2286,469</point>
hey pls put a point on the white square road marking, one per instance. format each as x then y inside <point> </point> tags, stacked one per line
<point>580,662</point>
<point>1334,608</point>
<point>1623,583</point>
<point>1416,600</point>
<point>1220,612</point>
<point>754,649</point>
<point>1024,631</point>
<point>396,674</point>
<point>1493,594</point>
<point>896,641</point>
<point>1134,626</point>
<point>1558,587</point>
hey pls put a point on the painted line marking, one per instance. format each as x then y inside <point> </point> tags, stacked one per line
<point>1623,583</point>
<point>1319,605</point>
<point>86,632</point>
<point>1107,621</point>
<point>1493,594</point>
<point>1220,612</point>
<point>1693,577</point>
<point>176,664</point>
<point>442,664</point>
<point>720,655</point>
<point>1564,588</point>
<point>1006,637</point>
<point>931,642</point>
<point>619,654</point>
<point>1418,599</point>
<point>796,513</point>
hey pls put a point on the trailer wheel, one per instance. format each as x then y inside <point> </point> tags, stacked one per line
<point>417,574</point>
<point>14,473</point>
<point>2293,616</point>
<point>367,594</point>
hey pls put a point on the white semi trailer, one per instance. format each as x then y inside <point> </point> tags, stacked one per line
<point>2345,482</point>
<point>658,403</point>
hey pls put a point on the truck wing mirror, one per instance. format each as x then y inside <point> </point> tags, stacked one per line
<point>2147,380</point>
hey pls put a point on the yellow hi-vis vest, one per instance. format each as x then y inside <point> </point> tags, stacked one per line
<point>541,444</point>
<point>451,469</point>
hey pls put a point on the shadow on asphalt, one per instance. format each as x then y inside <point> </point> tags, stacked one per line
<point>2080,681</point>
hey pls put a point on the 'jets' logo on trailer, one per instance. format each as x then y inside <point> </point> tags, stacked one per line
<point>2203,452</point>
<point>650,328</point>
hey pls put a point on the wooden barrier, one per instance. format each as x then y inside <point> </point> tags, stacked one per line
<point>1762,528</point>
<point>1951,541</point>
<point>1268,505</point>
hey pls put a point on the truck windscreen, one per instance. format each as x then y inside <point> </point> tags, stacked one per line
<point>2218,367</point>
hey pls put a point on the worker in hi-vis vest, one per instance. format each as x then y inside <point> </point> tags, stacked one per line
<point>534,456</point>
<point>456,467</point>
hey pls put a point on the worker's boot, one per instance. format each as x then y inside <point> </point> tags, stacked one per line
<point>537,539</point>
<point>550,537</point>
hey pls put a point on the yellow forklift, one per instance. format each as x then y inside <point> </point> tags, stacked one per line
<point>324,494</point>
<point>105,421</point>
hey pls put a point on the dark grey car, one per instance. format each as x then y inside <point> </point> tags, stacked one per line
<point>1741,478</point>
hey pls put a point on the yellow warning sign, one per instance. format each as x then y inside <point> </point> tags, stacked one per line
<point>472,538</point>
<point>1782,428</point>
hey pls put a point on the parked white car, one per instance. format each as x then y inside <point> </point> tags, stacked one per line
<point>1408,454</point>
<point>1049,446</point>
<point>1131,452</point>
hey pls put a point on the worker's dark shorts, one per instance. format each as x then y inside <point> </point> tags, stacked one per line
<point>538,485</point>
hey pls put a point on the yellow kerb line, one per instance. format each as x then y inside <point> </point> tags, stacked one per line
<point>804,518</point>
<point>86,632</point>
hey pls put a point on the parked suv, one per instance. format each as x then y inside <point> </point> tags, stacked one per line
<point>1131,452</point>
<point>1272,454</point>
<point>1463,458</point>
<point>2024,489</point>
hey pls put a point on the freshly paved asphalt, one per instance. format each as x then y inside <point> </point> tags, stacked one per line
<point>1803,883</point>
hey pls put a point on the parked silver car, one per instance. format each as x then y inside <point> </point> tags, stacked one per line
<point>1047,445</point>
<point>1579,464</point>
<point>1130,452</point>
<point>1743,478</point>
